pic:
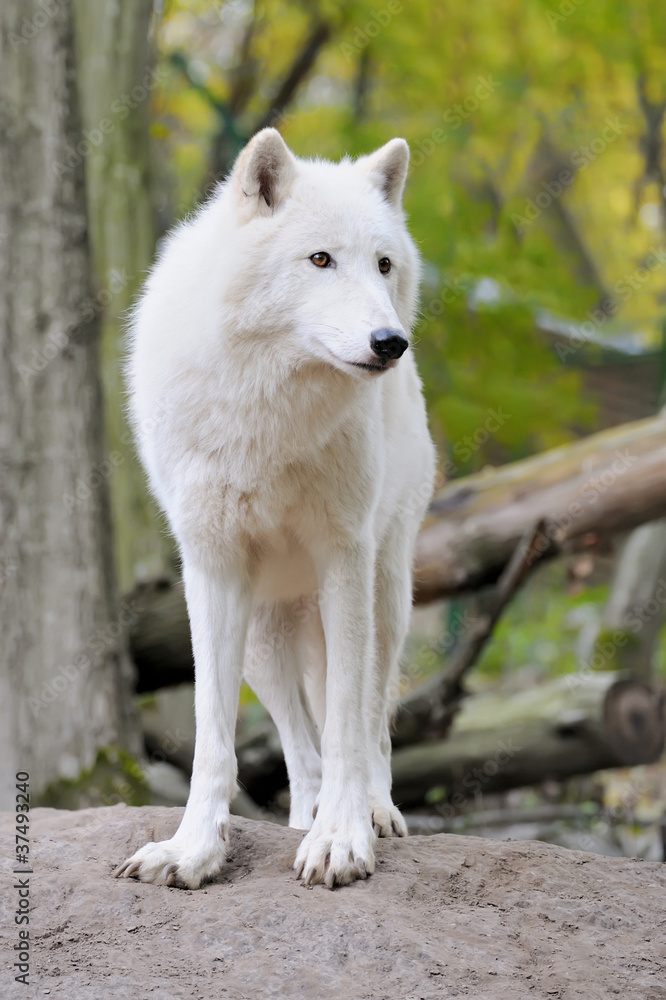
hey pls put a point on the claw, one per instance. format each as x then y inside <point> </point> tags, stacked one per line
<point>127,869</point>
<point>169,874</point>
<point>311,876</point>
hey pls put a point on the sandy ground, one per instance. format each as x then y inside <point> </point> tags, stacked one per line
<point>443,916</point>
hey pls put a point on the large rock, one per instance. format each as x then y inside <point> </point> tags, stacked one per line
<point>443,916</point>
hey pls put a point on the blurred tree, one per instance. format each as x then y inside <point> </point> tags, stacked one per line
<point>535,131</point>
<point>236,67</point>
<point>636,605</point>
<point>65,675</point>
<point>117,79</point>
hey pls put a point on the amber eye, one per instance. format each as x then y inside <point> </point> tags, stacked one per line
<point>321,259</point>
<point>385,265</point>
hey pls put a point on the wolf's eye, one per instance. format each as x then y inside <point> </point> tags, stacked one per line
<point>384,265</point>
<point>321,259</point>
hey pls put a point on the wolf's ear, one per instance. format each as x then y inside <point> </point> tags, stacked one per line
<point>387,169</point>
<point>264,171</point>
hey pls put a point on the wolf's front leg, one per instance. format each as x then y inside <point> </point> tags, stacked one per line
<point>393,605</point>
<point>340,846</point>
<point>219,608</point>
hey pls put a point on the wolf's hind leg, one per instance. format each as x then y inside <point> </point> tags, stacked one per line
<point>339,848</point>
<point>393,602</point>
<point>274,672</point>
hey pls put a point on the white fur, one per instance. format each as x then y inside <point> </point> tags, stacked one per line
<point>294,483</point>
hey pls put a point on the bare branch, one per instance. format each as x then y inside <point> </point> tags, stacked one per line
<point>303,63</point>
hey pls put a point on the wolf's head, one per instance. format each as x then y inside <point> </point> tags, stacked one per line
<point>324,264</point>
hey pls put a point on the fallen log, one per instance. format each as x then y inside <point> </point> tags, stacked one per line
<point>603,484</point>
<point>572,725</point>
<point>486,819</point>
<point>588,490</point>
<point>429,711</point>
<point>575,724</point>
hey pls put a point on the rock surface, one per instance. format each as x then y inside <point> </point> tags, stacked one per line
<point>443,916</point>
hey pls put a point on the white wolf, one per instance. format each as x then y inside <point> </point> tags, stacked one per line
<point>281,421</point>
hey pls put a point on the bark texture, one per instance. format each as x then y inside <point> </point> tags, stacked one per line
<point>64,674</point>
<point>117,80</point>
<point>603,484</point>
<point>637,602</point>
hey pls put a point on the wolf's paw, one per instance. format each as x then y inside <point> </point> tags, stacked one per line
<point>337,858</point>
<point>388,821</point>
<point>173,863</point>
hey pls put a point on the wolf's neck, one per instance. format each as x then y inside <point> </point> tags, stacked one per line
<point>295,413</point>
<point>254,419</point>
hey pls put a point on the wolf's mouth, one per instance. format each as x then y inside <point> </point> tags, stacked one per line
<point>375,367</point>
<point>382,366</point>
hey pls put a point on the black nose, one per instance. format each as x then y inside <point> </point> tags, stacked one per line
<point>388,344</point>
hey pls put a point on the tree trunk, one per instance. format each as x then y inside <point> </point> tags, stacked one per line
<point>636,605</point>
<point>65,677</point>
<point>117,79</point>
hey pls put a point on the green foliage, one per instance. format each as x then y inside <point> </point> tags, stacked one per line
<point>541,627</point>
<point>496,101</point>
<point>114,777</point>
<point>660,654</point>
